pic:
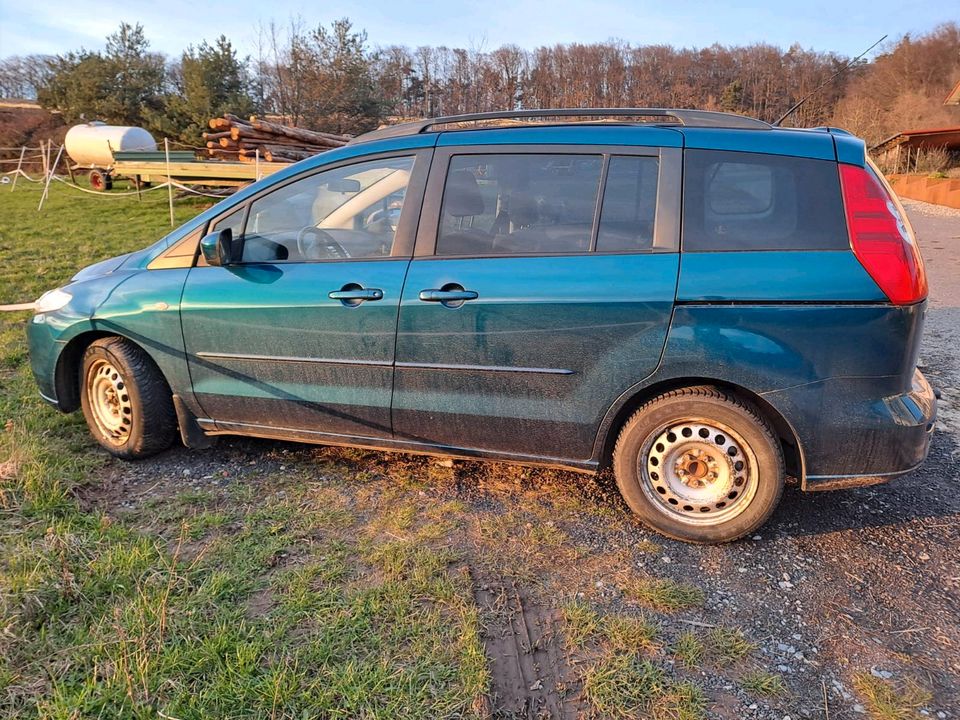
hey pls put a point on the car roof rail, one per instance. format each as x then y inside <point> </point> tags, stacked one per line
<point>686,118</point>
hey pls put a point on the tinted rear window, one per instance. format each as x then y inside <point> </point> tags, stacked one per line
<point>748,201</point>
<point>519,204</point>
<point>629,205</point>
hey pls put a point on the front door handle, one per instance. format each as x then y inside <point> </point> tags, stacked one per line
<point>450,295</point>
<point>353,294</point>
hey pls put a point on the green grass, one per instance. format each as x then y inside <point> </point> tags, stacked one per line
<point>721,647</point>
<point>688,649</point>
<point>624,681</point>
<point>620,633</point>
<point>762,683</point>
<point>582,622</point>
<point>219,603</point>
<point>41,250</point>
<point>625,686</point>
<point>630,634</point>
<point>728,645</point>
<point>664,595</point>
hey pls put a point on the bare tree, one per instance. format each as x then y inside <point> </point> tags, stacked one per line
<point>904,87</point>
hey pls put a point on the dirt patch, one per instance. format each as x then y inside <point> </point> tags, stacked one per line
<point>529,672</point>
<point>259,604</point>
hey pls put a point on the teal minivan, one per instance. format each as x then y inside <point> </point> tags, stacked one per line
<point>700,301</point>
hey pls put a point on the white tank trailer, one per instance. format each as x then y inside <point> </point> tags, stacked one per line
<point>92,145</point>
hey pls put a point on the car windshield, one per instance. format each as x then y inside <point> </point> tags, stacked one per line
<point>350,211</point>
<point>338,203</point>
<point>336,198</point>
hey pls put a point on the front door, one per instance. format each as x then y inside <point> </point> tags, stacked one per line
<point>300,333</point>
<point>548,294</point>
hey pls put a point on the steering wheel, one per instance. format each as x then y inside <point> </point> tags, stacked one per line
<point>316,244</point>
<point>389,217</point>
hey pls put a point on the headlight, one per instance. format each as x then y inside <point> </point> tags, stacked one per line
<point>52,301</point>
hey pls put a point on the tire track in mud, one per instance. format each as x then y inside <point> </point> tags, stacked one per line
<point>530,676</point>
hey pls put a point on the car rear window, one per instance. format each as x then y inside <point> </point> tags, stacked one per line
<point>629,205</point>
<point>750,201</point>
<point>505,204</point>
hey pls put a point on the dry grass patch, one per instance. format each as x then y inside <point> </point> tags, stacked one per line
<point>327,508</point>
<point>517,544</point>
<point>886,700</point>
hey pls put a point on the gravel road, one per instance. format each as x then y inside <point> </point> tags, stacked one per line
<point>864,580</point>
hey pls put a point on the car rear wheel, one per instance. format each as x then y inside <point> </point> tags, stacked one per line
<point>699,465</point>
<point>125,399</point>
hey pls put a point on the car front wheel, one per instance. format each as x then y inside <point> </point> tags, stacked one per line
<point>700,465</point>
<point>125,399</point>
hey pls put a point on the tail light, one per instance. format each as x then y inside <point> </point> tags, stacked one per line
<point>881,238</point>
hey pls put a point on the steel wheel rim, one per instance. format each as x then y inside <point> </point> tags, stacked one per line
<point>698,472</point>
<point>109,401</point>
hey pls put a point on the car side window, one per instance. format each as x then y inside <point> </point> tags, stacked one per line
<point>504,204</point>
<point>347,212</point>
<point>233,221</point>
<point>629,205</point>
<point>752,201</point>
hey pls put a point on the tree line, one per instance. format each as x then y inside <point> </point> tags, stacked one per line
<point>332,78</point>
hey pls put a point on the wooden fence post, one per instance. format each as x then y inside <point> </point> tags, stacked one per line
<point>46,187</point>
<point>166,150</point>
<point>16,175</point>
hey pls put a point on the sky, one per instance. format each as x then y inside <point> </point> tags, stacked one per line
<point>57,26</point>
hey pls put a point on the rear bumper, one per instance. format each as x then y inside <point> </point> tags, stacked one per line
<point>852,438</point>
<point>843,482</point>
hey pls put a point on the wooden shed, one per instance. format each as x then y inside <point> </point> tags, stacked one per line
<point>902,151</point>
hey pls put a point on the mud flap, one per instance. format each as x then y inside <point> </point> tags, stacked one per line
<point>191,433</point>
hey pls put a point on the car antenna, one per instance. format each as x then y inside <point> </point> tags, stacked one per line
<point>829,80</point>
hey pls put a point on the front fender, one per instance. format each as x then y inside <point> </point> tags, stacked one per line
<point>143,306</point>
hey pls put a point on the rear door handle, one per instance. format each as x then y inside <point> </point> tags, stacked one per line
<point>445,296</point>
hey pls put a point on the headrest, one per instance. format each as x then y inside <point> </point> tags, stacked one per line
<point>524,209</point>
<point>462,196</point>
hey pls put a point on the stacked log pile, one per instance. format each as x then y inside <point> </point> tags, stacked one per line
<point>233,138</point>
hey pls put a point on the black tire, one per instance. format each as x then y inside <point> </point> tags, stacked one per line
<point>100,180</point>
<point>700,465</point>
<point>126,400</point>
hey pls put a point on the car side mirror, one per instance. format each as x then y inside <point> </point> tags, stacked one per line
<point>217,248</point>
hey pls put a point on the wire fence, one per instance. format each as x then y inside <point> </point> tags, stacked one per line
<point>40,158</point>
<point>21,173</point>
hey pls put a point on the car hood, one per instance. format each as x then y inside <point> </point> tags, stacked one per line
<point>104,267</point>
<point>110,265</point>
